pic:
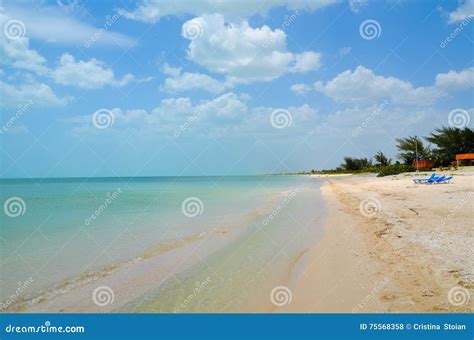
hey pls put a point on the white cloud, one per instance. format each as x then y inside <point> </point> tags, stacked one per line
<point>455,80</point>
<point>300,88</point>
<point>40,94</point>
<point>357,5</point>
<point>92,74</point>
<point>152,10</point>
<point>185,81</point>
<point>463,12</point>
<point>18,54</point>
<point>56,25</point>
<point>242,53</point>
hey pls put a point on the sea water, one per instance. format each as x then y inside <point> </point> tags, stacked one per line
<point>63,229</point>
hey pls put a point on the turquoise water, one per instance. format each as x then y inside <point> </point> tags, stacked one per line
<point>70,227</point>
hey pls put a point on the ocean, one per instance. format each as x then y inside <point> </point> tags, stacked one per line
<point>225,241</point>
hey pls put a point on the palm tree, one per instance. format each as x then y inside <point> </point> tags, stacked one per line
<point>410,148</point>
<point>381,159</point>
<point>451,141</point>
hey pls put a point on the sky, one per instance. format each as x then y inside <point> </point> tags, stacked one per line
<point>190,88</point>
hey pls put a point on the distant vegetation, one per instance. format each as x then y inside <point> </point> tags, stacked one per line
<point>444,144</point>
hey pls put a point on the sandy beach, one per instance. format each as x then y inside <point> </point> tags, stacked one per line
<point>392,246</point>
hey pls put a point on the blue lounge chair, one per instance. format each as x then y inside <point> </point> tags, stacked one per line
<point>435,180</point>
<point>424,180</point>
<point>445,180</point>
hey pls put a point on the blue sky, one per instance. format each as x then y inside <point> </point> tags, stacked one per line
<point>144,88</point>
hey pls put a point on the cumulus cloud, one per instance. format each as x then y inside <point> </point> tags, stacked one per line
<point>152,10</point>
<point>92,74</point>
<point>242,53</point>
<point>18,54</point>
<point>456,80</point>
<point>40,94</point>
<point>463,12</point>
<point>300,88</point>
<point>179,81</point>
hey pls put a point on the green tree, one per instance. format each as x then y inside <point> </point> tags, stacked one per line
<point>449,142</point>
<point>354,164</point>
<point>408,148</point>
<point>381,159</point>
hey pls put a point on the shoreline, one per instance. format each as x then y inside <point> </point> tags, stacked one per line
<point>412,255</point>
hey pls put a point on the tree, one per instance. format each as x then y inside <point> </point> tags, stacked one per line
<point>449,142</point>
<point>381,159</point>
<point>354,164</point>
<point>408,148</point>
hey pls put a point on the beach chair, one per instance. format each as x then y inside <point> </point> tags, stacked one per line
<point>435,180</point>
<point>424,180</point>
<point>444,180</point>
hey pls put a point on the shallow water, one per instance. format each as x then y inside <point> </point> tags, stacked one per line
<point>71,227</point>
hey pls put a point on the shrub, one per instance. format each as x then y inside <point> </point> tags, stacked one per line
<point>394,169</point>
